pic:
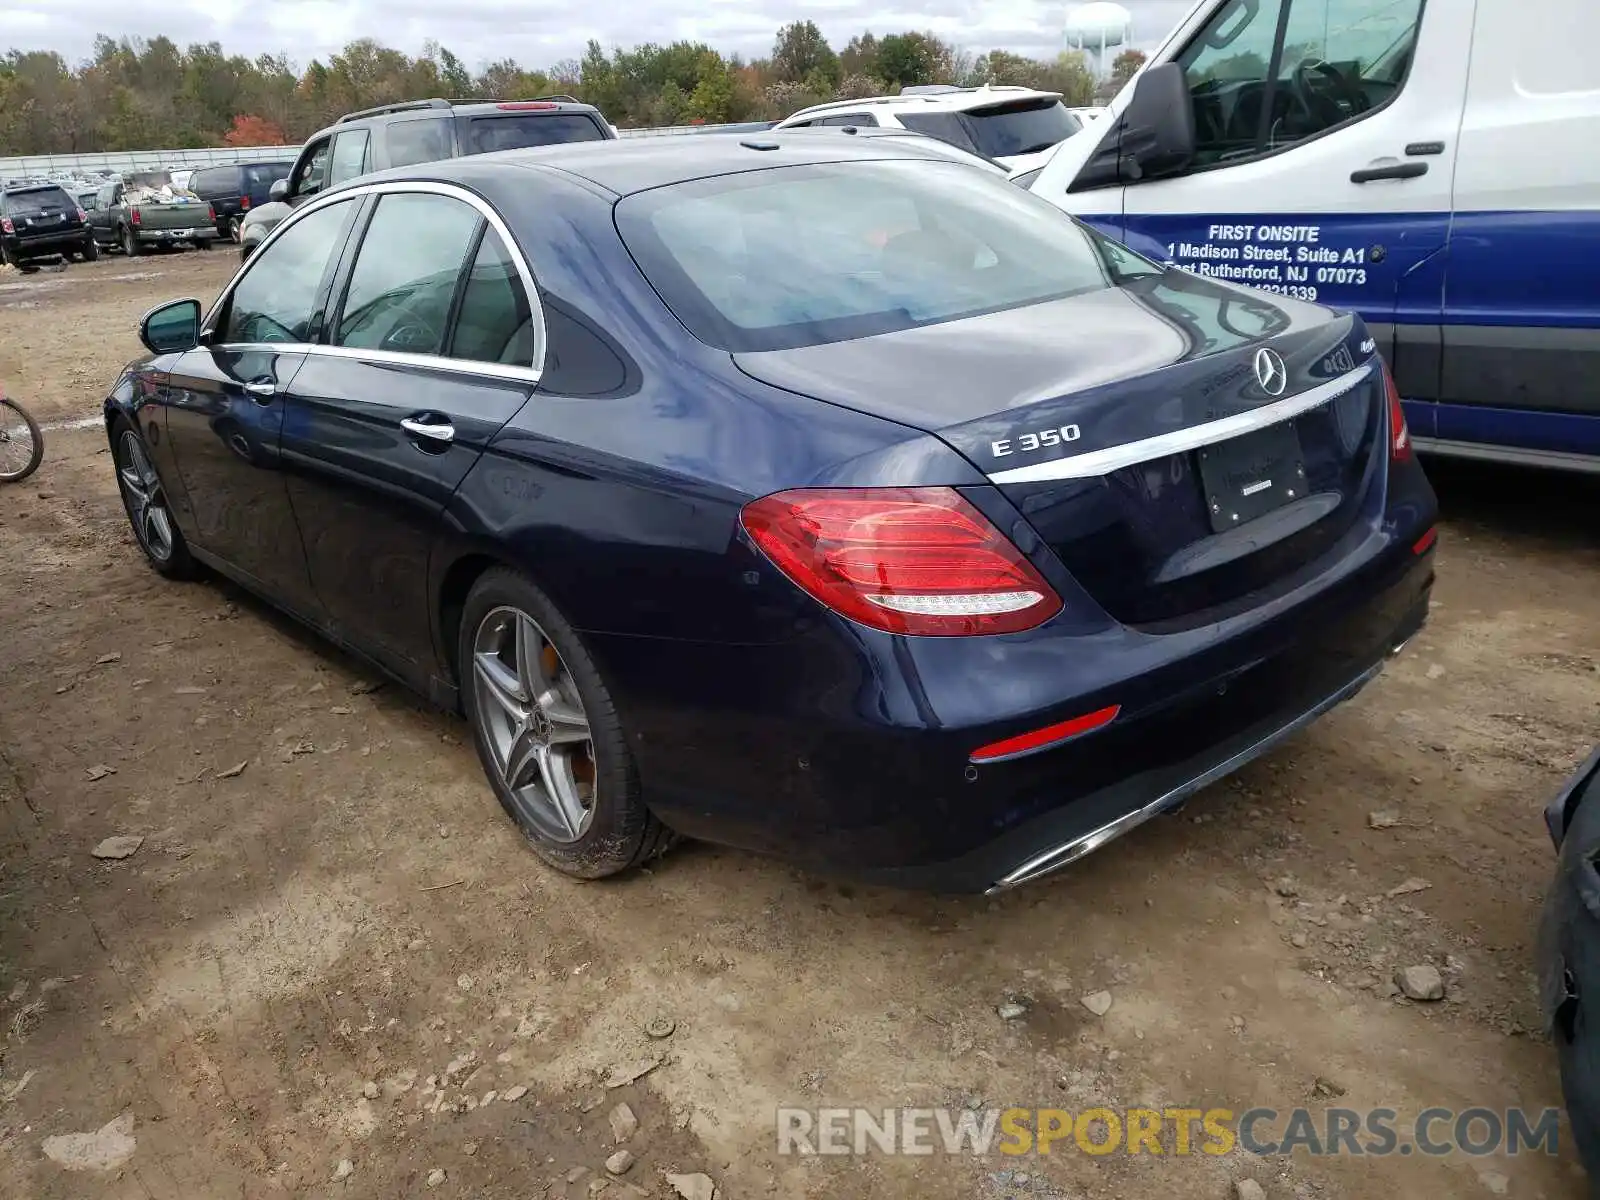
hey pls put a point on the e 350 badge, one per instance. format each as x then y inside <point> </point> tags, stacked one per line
<point>1037,440</point>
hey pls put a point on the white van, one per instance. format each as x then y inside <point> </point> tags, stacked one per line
<point>1432,164</point>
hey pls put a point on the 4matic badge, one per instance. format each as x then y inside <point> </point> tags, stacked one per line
<point>1037,440</point>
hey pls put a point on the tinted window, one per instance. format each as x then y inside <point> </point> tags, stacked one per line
<point>1024,127</point>
<point>405,274</point>
<point>213,181</point>
<point>264,175</point>
<point>313,170</point>
<point>427,140</point>
<point>1336,60</point>
<point>481,135</point>
<point>800,255</point>
<point>349,156</point>
<point>495,323</point>
<point>946,126</point>
<point>859,119</point>
<point>277,298</point>
<point>38,200</point>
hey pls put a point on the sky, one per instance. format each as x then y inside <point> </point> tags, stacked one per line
<point>538,33</point>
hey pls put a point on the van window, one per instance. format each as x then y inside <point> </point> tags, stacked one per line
<point>425,140</point>
<point>1262,78</point>
<point>349,156</point>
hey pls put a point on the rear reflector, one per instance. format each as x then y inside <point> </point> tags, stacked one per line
<point>904,560</point>
<point>1425,542</point>
<point>526,106</point>
<point>1399,435</point>
<point>1048,736</point>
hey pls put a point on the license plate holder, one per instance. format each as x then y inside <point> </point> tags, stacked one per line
<point>182,233</point>
<point>1248,476</point>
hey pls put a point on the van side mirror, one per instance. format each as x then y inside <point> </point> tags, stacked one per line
<point>279,189</point>
<point>171,328</point>
<point>1152,138</point>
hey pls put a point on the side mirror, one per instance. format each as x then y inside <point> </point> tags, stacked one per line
<point>171,328</point>
<point>279,189</point>
<point>1152,138</point>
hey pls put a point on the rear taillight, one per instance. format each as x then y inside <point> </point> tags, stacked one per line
<point>905,560</point>
<point>6,226</point>
<point>526,106</point>
<point>83,217</point>
<point>133,216</point>
<point>1399,435</point>
<point>211,213</point>
<point>244,202</point>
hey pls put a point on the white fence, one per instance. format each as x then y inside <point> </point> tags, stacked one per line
<point>85,166</point>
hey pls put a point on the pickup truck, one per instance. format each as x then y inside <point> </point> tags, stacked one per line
<point>123,216</point>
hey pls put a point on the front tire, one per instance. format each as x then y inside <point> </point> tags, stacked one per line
<point>145,500</point>
<point>548,734</point>
<point>21,442</point>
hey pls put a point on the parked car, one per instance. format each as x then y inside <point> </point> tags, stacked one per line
<point>1016,127</point>
<point>1569,953</point>
<point>234,189</point>
<point>418,131</point>
<point>1413,162</point>
<point>815,495</point>
<point>132,219</point>
<point>40,220</point>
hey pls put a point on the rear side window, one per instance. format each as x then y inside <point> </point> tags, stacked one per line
<point>946,126</point>
<point>797,256</point>
<point>264,175</point>
<point>517,131</point>
<point>276,301</point>
<point>212,181</point>
<point>405,274</point>
<point>426,140</point>
<point>495,323</point>
<point>1023,127</point>
<point>862,120</point>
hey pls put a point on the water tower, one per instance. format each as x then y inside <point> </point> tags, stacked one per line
<point>1098,29</point>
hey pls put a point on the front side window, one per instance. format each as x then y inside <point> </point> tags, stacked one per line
<point>276,301</point>
<point>405,274</point>
<point>311,174</point>
<point>1261,78</point>
<point>495,322</point>
<point>349,156</point>
<point>796,256</point>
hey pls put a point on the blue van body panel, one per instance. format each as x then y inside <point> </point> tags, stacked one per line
<point>1491,319</point>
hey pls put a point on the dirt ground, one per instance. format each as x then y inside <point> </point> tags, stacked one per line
<point>344,952</point>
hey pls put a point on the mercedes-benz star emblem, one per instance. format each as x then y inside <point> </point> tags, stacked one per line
<point>1270,372</point>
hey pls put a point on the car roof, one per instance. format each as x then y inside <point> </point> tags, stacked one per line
<point>474,107</point>
<point>630,165</point>
<point>953,100</point>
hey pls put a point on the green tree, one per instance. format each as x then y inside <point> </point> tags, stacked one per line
<point>860,56</point>
<point>801,53</point>
<point>908,59</point>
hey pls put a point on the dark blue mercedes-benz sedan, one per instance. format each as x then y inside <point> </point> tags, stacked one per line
<point>814,495</point>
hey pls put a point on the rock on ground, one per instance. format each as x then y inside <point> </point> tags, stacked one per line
<point>619,1162</point>
<point>1249,1189</point>
<point>103,1150</point>
<point>693,1187</point>
<point>1099,1003</point>
<point>1420,983</point>
<point>623,1124</point>
<point>122,846</point>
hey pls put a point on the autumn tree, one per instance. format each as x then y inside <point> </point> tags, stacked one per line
<point>1124,66</point>
<point>250,130</point>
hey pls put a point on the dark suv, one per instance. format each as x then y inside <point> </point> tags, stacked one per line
<point>40,220</point>
<point>418,131</point>
<point>233,190</point>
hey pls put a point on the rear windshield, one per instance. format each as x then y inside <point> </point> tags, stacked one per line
<point>38,200</point>
<point>798,256</point>
<point>517,131</point>
<point>1022,127</point>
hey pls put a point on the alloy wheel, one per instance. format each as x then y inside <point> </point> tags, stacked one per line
<point>142,494</point>
<point>533,721</point>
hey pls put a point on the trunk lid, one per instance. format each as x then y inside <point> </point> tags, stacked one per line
<point>172,214</point>
<point>1133,429</point>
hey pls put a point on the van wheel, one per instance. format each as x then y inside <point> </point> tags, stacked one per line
<point>130,243</point>
<point>548,734</point>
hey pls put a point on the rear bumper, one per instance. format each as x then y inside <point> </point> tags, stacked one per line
<point>854,759</point>
<point>67,241</point>
<point>203,232</point>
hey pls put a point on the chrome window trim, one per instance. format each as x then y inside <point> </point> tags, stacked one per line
<point>356,192</point>
<point>1102,462</point>
<point>431,362</point>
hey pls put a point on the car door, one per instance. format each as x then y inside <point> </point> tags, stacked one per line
<point>430,353</point>
<point>1326,140</point>
<point>227,398</point>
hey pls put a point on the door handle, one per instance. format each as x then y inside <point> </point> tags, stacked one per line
<point>263,391</point>
<point>1407,170</point>
<point>435,431</point>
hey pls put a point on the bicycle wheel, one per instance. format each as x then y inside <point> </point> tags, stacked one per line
<point>21,442</point>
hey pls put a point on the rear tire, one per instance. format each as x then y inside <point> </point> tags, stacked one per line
<point>144,499</point>
<point>12,414</point>
<point>531,693</point>
<point>130,242</point>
